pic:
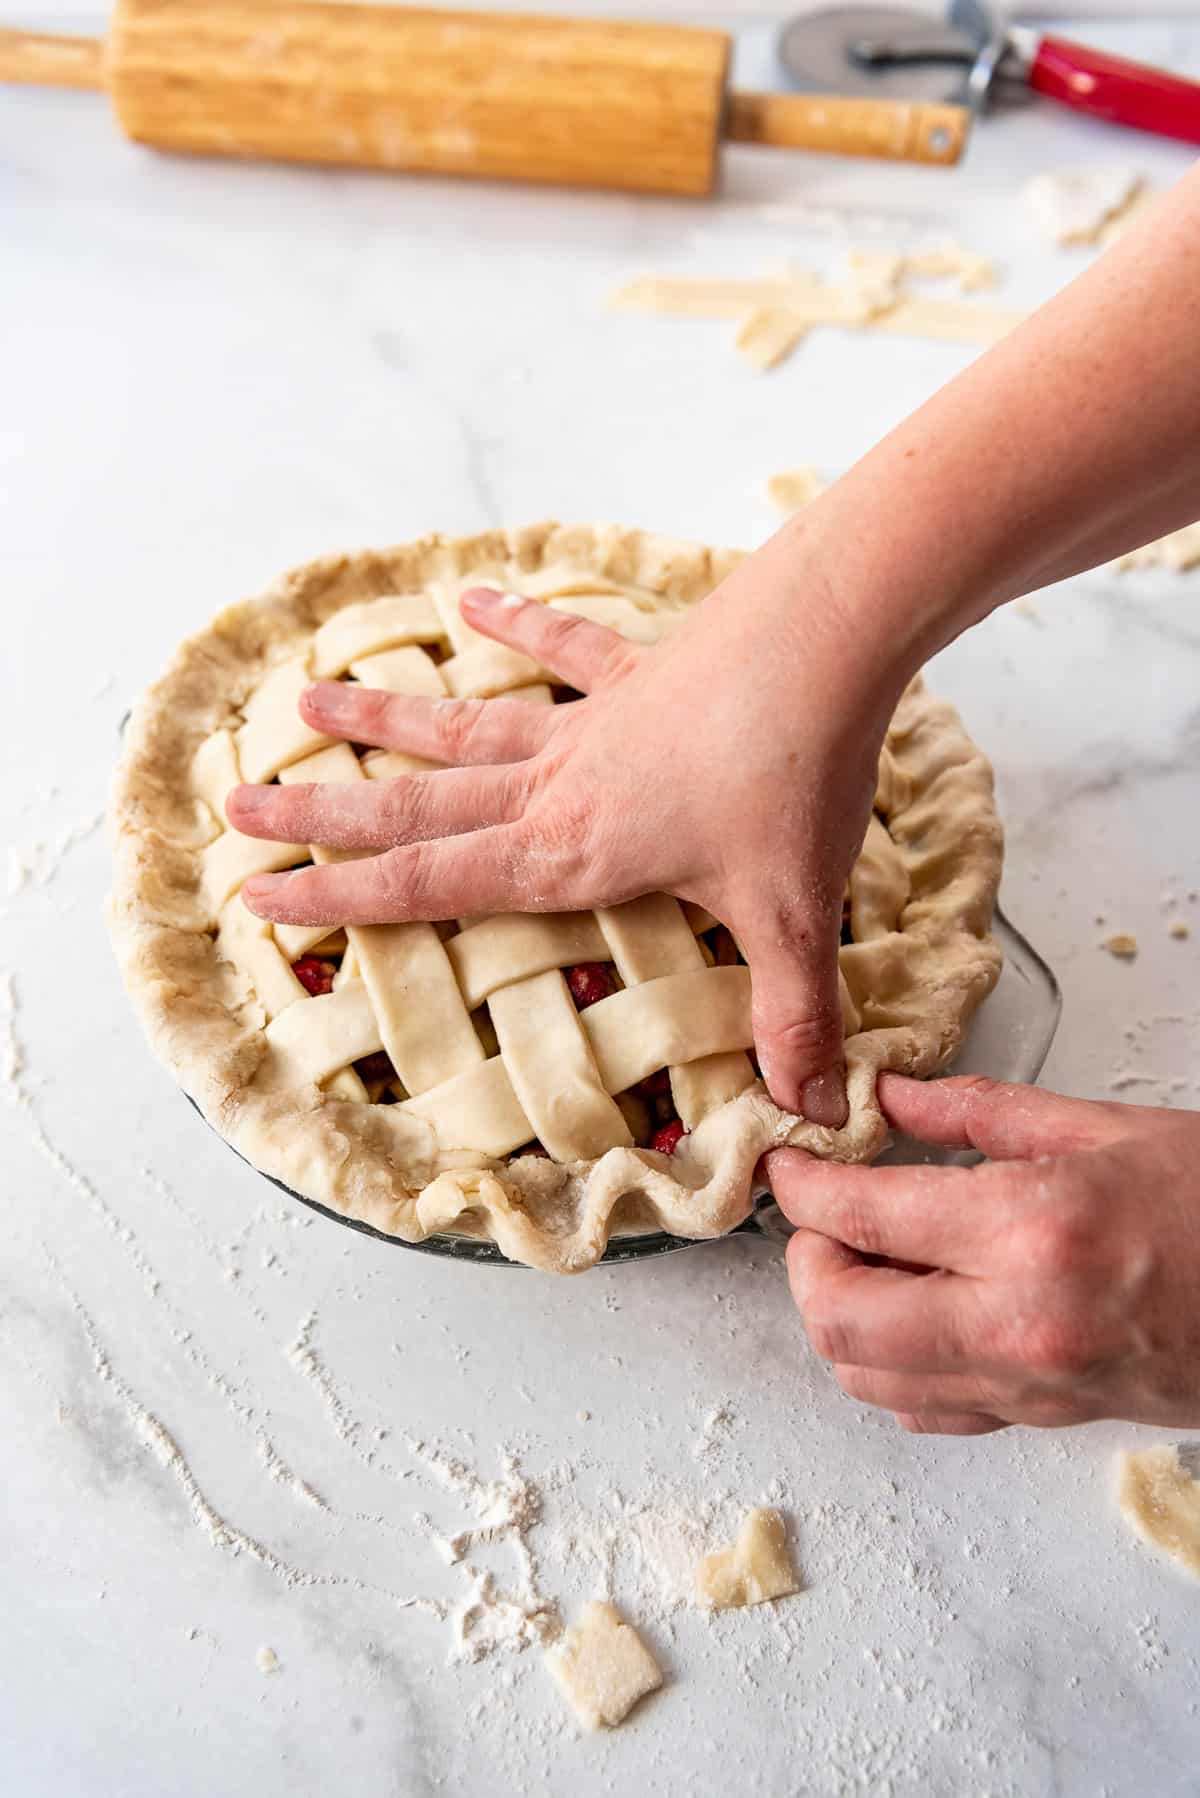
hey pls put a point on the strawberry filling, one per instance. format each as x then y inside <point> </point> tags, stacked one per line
<point>314,974</point>
<point>668,1138</point>
<point>589,981</point>
<point>656,1086</point>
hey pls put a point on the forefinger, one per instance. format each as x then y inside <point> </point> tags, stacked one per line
<point>951,1217</point>
<point>575,649</point>
<point>449,877</point>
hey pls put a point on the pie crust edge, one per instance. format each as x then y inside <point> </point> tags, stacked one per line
<point>916,987</point>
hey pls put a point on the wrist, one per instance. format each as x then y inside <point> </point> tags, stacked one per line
<point>900,570</point>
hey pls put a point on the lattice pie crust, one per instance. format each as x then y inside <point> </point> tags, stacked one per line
<point>483,1101</point>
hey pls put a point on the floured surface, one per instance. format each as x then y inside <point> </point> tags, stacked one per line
<point>976,1617</point>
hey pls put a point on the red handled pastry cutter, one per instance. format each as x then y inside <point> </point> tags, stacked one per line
<point>979,61</point>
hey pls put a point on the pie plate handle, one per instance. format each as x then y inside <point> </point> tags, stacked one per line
<point>1110,87</point>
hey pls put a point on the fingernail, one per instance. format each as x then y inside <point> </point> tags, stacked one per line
<point>331,699</point>
<point>247,801</point>
<point>482,599</point>
<point>262,886</point>
<point>823,1099</point>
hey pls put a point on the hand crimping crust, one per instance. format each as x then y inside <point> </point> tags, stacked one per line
<point>923,894</point>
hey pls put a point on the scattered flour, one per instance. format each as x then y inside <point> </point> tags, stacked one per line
<point>37,863</point>
<point>522,1544</point>
<point>1152,1651</point>
<point>233,1391</point>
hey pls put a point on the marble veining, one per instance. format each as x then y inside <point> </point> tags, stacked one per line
<point>233,1427</point>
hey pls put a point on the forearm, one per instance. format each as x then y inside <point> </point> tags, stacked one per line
<point>1073,440</point>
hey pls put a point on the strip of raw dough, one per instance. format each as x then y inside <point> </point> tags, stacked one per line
<point>1161,1502</point>
<point>602,1666</point>
<point>754,1568</point>
<point>777,312</point>
<point>690,296</point>
<point>770,334</point>
<point>948,321</point>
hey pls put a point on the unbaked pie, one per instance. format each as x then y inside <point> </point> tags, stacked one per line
<point>542,1080</point>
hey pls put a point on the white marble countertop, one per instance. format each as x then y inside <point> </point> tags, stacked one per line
<point>210,373</point>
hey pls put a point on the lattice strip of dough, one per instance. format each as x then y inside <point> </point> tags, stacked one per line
<point>549,1062</point>
<point>663,1023</point>
<point>401,669</point>
<point>650,937</point>
<point>242,939</point>
<point>274,733</point>
<point>404,670</point>
<point>230,859</point>
<point>422,1021</point>
<point>323,1036</point>
<point>249,944</point>
<point>215,771</point>
<point>373,625</point>
<point>619,614</point>
<point>338,762</point>
<point>518,945</point>
<point>478,668</point>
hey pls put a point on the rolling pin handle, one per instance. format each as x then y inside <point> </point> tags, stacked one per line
<point>898,130</point>
<point>37,59</point>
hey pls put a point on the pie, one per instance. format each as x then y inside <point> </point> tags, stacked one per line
<point>540,1080</point>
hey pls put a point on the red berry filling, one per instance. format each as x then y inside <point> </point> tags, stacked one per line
<point>590,981</point>
<point>656,1086</point>
<point>668,1139</point>
<point>314,974</point>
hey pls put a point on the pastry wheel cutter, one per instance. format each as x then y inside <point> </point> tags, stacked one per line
<point>975,59</point>
<point>1009,1038</point>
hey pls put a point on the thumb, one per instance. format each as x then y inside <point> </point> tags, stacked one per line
<point>797,1015</point>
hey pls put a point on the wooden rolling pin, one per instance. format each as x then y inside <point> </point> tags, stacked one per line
<point>525,98</point>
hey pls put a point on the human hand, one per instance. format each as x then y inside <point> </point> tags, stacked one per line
<point>1067,1267</point>
<point>734,764</point>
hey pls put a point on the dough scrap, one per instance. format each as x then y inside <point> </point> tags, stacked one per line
<point>1074,206</point>
<point>1122,945</point>
<point>602,1666</point>
<point>1178,549</point>
<point>879,275</point>
<point>770,333</point>
<point>754,1568</point>
<point>1161,1502</point>
<point>794,488</point>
